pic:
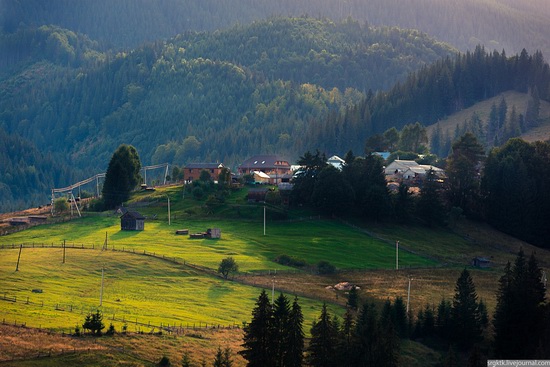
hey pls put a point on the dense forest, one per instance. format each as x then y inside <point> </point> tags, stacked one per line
<point>501,24</point>
<point>281,85</point>
<point>177,106</point>
<point>443,88</point>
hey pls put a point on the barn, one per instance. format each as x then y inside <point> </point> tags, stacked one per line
<point>132,221</point>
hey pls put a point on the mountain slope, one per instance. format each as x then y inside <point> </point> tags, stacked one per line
<point>220,96</point>
<point>483,110</point>
<point>497,24</point>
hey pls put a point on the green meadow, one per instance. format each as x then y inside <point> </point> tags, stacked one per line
<point>142,291</point>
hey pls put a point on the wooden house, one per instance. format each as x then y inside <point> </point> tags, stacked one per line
<point>192,171</point>
<point>273,166</point>
<point>132,221</point>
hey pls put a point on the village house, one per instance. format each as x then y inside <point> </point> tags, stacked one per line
<point>192,171</point>
<point>410,171</point>
<point>336,162</point>
<point>132,221</point>
<point>273,166</point>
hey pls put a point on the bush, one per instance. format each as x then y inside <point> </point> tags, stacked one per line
<point>164,362</point>
<point>290,261</point>
<point>198,193</point>
<point>325,268</point>
<point>111,330</point>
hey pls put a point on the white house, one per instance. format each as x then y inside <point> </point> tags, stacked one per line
<point>337,162</point>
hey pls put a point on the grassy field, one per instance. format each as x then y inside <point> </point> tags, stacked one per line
<point>142,291</point>
<point>483,110</point>
<point>311,240</point>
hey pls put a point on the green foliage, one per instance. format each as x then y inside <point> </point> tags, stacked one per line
<point>464,172</point>
<point>122,176</point>
<point>60,205</point>
<point>223,358</point>
<point>228,266</point>
<point>111,330</point>
<point>332,194</point>
<point>353,298</point>
<point>465,312</point>
<point>514,183</point>
<point>518,319</point>
<point>257,346</point>
<point>94,323</point>
<point>322,347</point>
<point>325,268</point>
<point>164,362</point>
<point>185,360</point>
<point>290,261</point>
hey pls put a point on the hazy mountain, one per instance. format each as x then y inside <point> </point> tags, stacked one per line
<point>498,24</point>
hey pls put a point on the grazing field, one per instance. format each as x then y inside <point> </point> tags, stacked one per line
<point>140,291</point>
<point>312,241</point>
<point>176,287</point>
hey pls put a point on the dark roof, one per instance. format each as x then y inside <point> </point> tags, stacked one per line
<point>264,161</point>
<point>204,165</point>
<point>134,215</point>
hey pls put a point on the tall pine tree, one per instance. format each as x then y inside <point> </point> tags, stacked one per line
<point>258,341</point>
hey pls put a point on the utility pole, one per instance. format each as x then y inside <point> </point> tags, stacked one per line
<point>101,292</point>
<point>19,257</point>
<point>272,291</point>
<point>264,219</point>
<point>409,295</point>
<point>63,251</point>
<point>168,210</point>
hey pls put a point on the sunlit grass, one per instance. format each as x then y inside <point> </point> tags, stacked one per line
<point>143,291</point>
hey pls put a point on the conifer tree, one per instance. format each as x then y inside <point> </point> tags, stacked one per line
<point>295,337</point>
<point>466,319</point>
<point>519,315</point>
<point>322,348</point>
<point>281,315</point>
<point>353,298</point>
<point>122,176</point>
<point>258,341</point>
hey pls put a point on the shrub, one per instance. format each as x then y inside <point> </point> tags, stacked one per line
<point>198,193</point>
<point>290,261</point>
<point>110,330</point>
<point>164,362</point>
<point>324,268</point>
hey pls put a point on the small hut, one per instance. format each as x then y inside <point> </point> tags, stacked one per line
<point>132,221</point>
<point>481,262</point>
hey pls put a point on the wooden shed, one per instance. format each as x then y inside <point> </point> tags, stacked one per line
<point>481,262</point>
<point>132,221</point>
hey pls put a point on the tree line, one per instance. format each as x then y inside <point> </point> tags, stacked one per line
<point>441,89</point>
<point>505,188</point>
<point>366,335</point>
<point>510,25</point>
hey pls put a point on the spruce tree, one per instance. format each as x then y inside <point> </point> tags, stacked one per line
<point>466,319</point>
<point>258,341</point>
<point>295,336</point>
<point>322,348</point>
<point>122,176</point>
<point>519,316</point>
<point>281,315</point>
<point>365,351</point>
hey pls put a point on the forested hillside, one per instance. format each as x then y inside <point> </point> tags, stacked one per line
<point>219,96</point>
<point>448,86</point>
<point>497,24</point>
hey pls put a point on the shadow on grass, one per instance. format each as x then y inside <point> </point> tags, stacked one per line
<point>218,290</point>
<point>121,235</point>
